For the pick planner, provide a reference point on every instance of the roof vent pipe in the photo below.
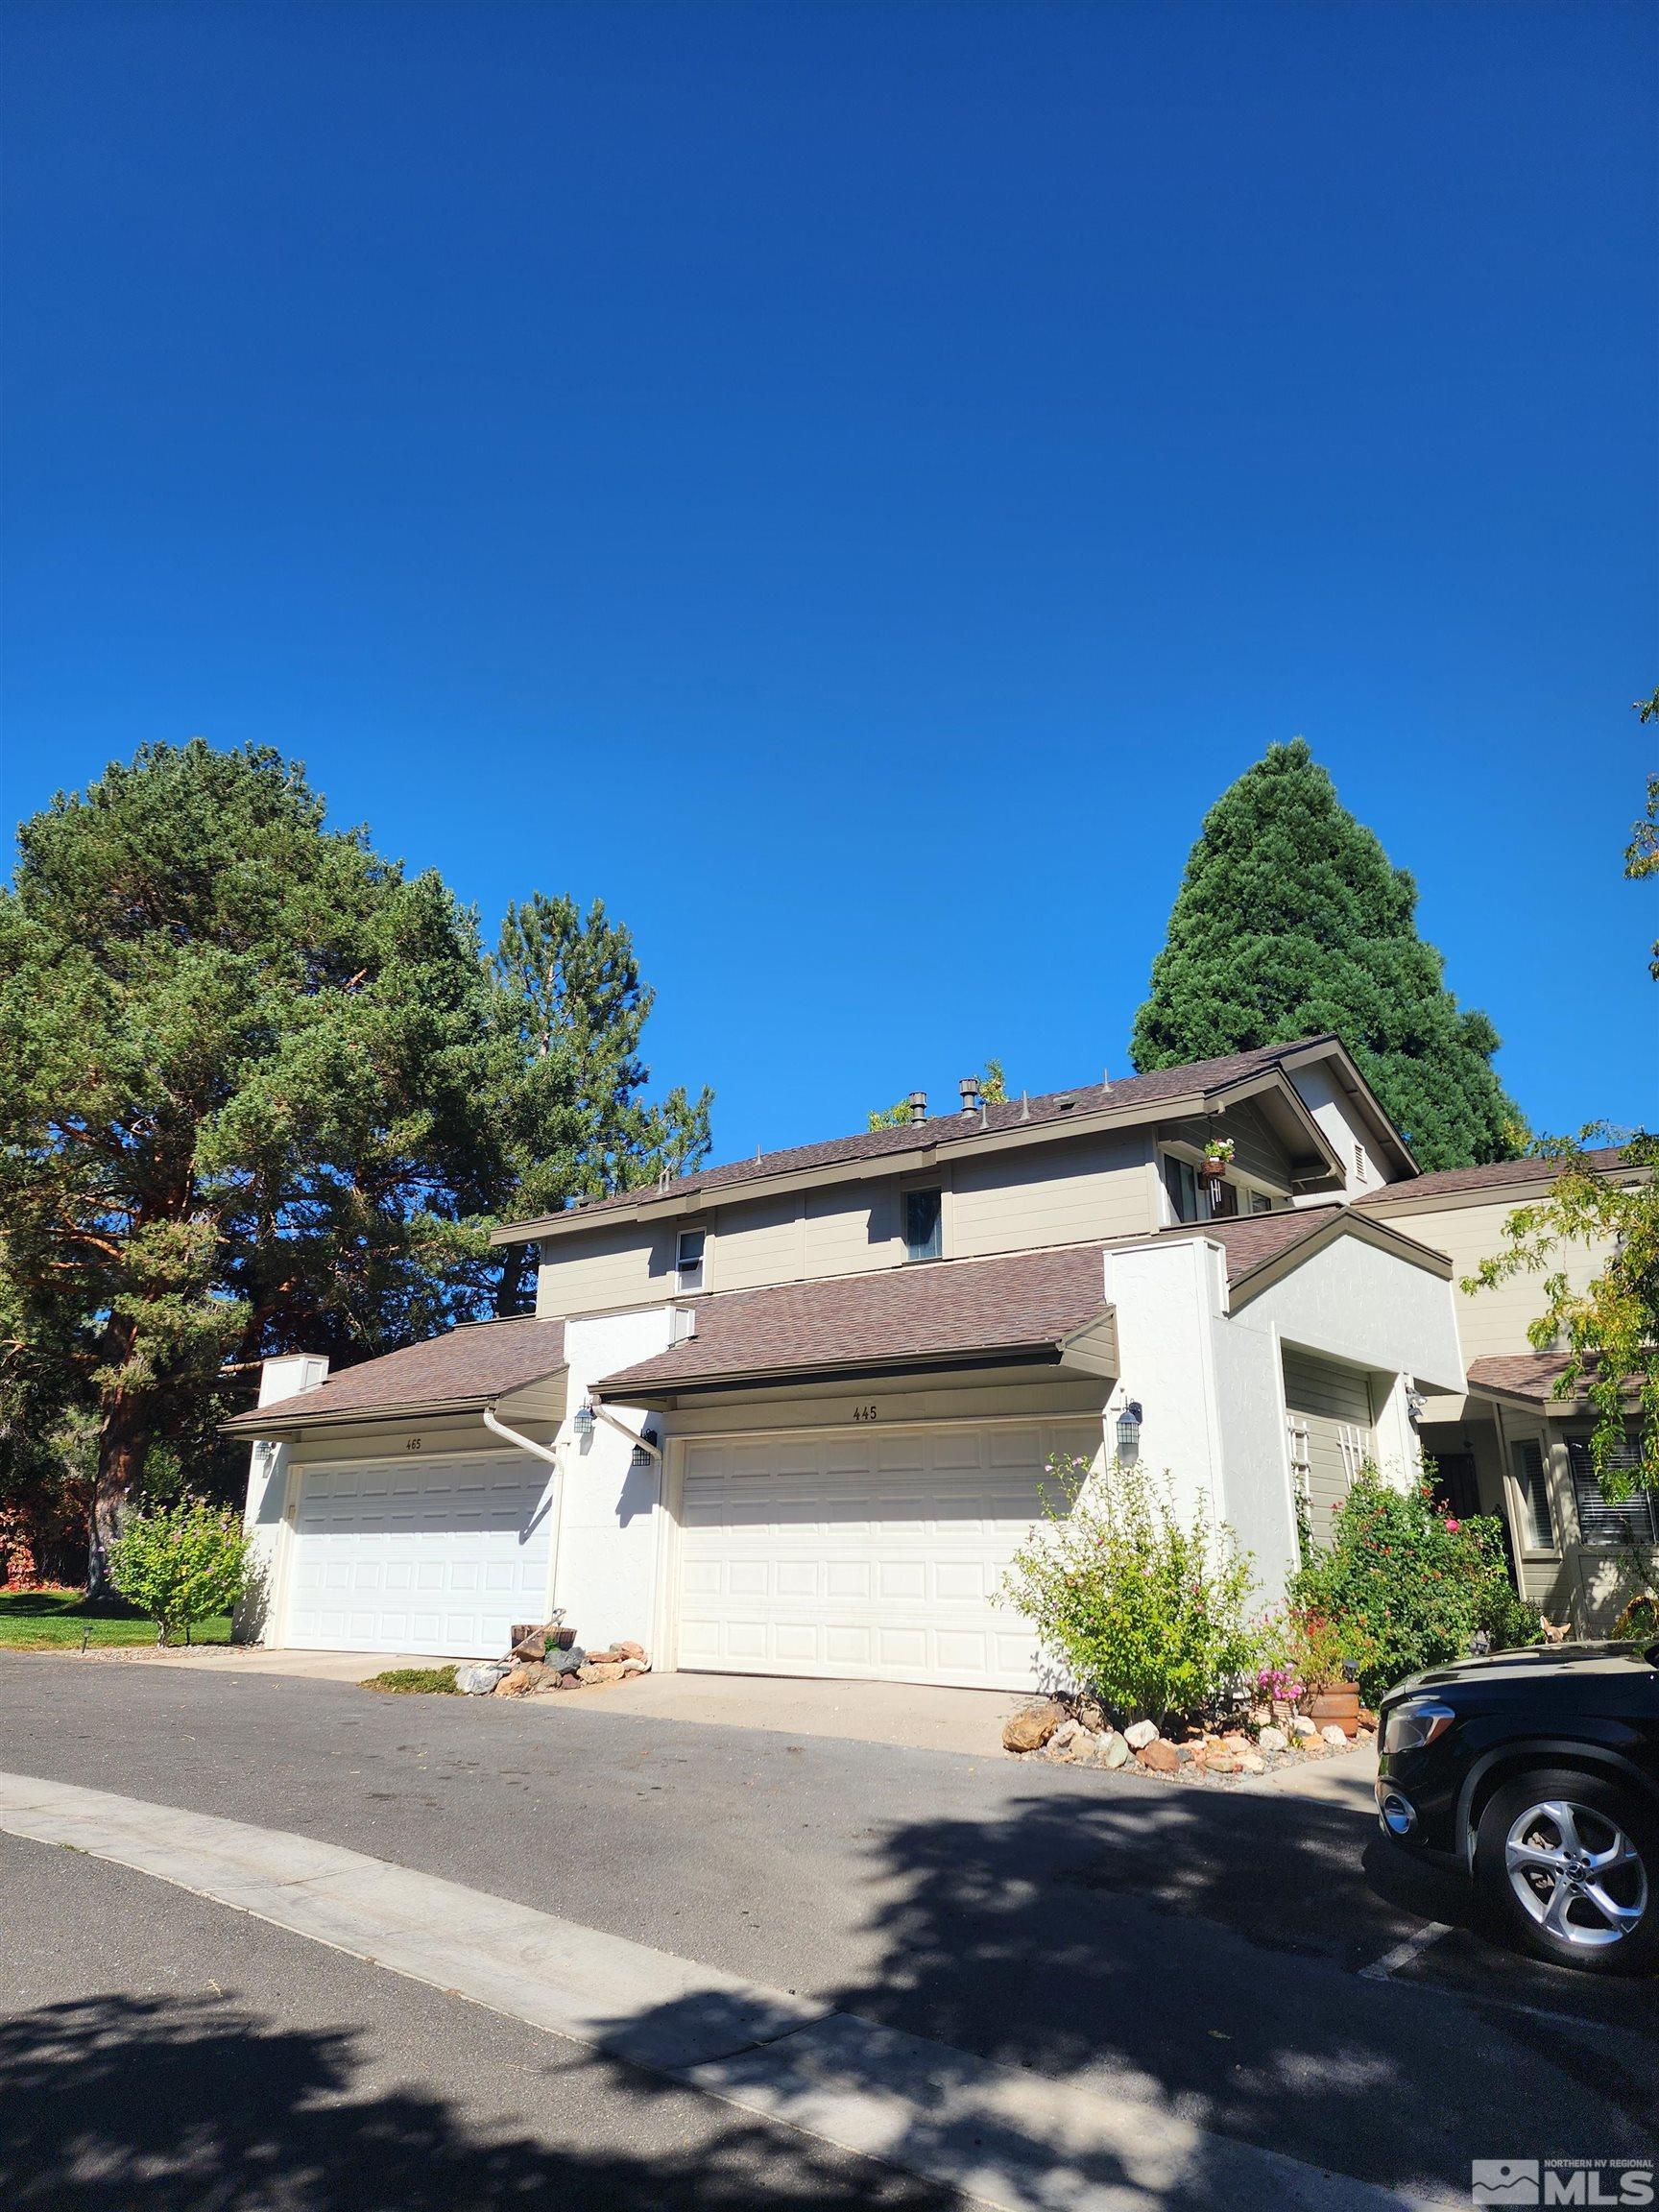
(969, 1090)
(918, 1105)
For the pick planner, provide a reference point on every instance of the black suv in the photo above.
(1538, 1773)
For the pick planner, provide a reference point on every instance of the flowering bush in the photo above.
(1131, 1599)
(1415, 1583)
(182, 1564)
(1303, 1649)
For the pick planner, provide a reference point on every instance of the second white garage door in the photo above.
(864, 1553)
(439, 1555)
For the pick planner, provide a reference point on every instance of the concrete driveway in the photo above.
(1259, 1961)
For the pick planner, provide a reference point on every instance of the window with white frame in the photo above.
(688, 1254)
(1604, 1519)
(1533, 1484)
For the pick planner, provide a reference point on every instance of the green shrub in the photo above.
(182, 1564)
(413, 1681)
(1414, 1581)
(1145, 1608)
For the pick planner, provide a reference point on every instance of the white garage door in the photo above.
(425, 1555)
(865, 1552)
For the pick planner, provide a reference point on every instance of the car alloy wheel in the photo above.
(1577, 1873)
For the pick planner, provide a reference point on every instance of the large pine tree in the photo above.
(1290, 920)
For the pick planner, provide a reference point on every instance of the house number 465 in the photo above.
(863, 1412)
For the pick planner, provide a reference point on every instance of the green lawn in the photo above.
(58, 1620)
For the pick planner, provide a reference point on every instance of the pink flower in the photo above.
(1452, 1525)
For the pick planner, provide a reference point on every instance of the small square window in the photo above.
(1259, 1202)
(924, 1238)
(688, 1258)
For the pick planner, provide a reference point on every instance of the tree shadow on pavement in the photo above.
(120, 2103)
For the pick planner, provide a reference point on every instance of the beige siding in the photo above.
(1332, 1405)
(1491, 1322)
(848, 1232)
(596, 1270)
(758, 1243)
(1069, 1192)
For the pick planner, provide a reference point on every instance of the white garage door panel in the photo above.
(420, 1555)
(858, 1553)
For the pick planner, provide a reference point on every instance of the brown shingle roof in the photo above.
(1518, 1375)
(1254, 1239)
(944, 1310)
(1494, 1176)
(467, 1366)
(1131, 1090)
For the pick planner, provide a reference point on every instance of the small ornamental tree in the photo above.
(1415, 1584)
(182, 1564)
(1144, 1606)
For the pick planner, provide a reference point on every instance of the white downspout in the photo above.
(551, 1454)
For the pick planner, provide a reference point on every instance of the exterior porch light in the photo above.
(1129, 1433)
(582, 1421)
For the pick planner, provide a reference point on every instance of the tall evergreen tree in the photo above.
(1290, 919)
(569, 1007)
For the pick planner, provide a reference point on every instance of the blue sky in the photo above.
(850, 486)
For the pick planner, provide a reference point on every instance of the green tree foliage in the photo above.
(1610, 1329)
(1290, 921)
(1131, 1598)
(567, 1011)
(1641, 857)
(263, 1093)
(992, 1090)
(242, 1104)
(1413, 1582)
(180, 1564)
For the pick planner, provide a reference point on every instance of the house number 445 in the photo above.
(863, 1412)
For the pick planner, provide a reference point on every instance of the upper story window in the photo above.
(1181, 1181)
(688, 1258)
(1261, 1202)
(924, 1224)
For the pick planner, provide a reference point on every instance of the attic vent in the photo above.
(1063, 1105)
(684, 1325)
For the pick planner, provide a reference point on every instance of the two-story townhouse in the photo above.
(1508, 1445)
(792, 1414)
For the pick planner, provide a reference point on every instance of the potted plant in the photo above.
(1218, 1158)
(1331, 1656)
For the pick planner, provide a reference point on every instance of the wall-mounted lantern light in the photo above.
(646, 1449)
(583, 1421)
(1129, 1433)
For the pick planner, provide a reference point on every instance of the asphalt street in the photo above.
(1086, 1925)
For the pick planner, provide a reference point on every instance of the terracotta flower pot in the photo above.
(1339, 1705)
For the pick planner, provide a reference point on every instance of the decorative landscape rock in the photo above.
(1112, 1750)
(1336, 1738)
(1031, 1727)
(600, 1671)
(1155, 1754)
(519, 1683)
(1252, 1763)
(1063, 1739)
(1272, 1739)
(567, 1662)
(1139, 1734)
(481, 1678)
(1301, 1725)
